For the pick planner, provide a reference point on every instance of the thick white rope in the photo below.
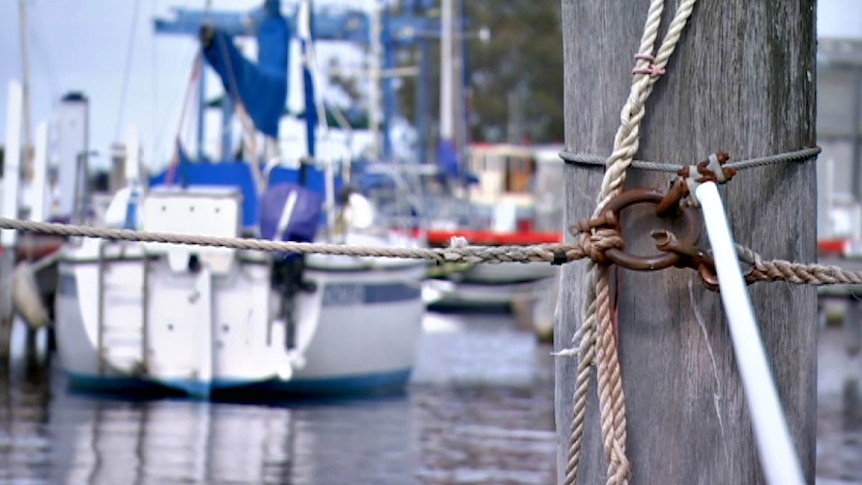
(597, 324)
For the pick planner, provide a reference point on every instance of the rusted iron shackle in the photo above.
(659, 261)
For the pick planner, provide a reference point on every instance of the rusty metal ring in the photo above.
(658, 261)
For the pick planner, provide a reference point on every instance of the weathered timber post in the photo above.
(742, 80)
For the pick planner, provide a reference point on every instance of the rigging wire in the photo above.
(127, 71)
(154, 76)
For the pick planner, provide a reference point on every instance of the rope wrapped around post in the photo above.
(595, 340)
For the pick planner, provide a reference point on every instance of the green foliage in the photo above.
(517, 77)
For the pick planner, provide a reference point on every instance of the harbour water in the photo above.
(479, 410)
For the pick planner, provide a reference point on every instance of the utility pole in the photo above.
(741, 80)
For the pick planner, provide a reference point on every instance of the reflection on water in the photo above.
(839, 412)
(480, 410)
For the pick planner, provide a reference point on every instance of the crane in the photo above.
(330, 23)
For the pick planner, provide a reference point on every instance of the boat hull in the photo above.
(529, 291)
(357, 331)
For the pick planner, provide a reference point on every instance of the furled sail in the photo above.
(262, 86)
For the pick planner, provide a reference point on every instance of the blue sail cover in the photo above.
(447, 158)
(261, 87)
(304, 220)
(230, 173)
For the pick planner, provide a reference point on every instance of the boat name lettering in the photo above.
(344, 294)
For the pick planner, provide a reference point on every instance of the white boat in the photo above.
(517, 199)
(205, 320)
(202, 320)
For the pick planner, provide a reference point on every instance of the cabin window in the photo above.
(519, 175)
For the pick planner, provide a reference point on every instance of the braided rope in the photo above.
(597, 315)
(796, 273)
(586, 246)
(590, 246)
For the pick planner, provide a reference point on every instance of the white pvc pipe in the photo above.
(774, 443)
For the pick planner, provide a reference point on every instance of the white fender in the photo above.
(26, 298)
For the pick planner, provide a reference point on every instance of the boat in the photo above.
(216, 321)
(32, 257)
(515, 199)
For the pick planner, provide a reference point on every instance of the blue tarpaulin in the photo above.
(261, 86)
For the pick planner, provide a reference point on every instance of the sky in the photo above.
(83, 45)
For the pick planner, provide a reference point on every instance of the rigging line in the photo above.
(127, 71)
(154, 73)
(41, 51)
(176, 98)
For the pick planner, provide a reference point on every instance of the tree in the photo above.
(516, 77)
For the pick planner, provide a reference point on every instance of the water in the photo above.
(839, 411)
(479, 410)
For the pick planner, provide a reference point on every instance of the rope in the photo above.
(191, 94)
(796, 273)
(802, 155)
(587, 246)
(597, 337)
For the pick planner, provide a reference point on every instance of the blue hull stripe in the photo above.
(352, 385)
(336, 294)
(343, 294)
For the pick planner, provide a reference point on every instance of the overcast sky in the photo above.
(84, 44)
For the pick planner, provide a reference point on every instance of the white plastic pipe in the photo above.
(774, 443)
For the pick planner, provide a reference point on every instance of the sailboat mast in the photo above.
(446, 100)
(375, 101)
(25, 78)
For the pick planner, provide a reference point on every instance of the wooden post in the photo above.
(742, 80)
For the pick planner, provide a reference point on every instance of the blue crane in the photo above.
(412, 27)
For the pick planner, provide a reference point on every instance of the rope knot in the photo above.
(595, 243)
(606, 220)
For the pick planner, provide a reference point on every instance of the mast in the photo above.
(446, 81)
(25, 81)
(375, 101)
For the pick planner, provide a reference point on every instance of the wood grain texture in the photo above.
(742, 80)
